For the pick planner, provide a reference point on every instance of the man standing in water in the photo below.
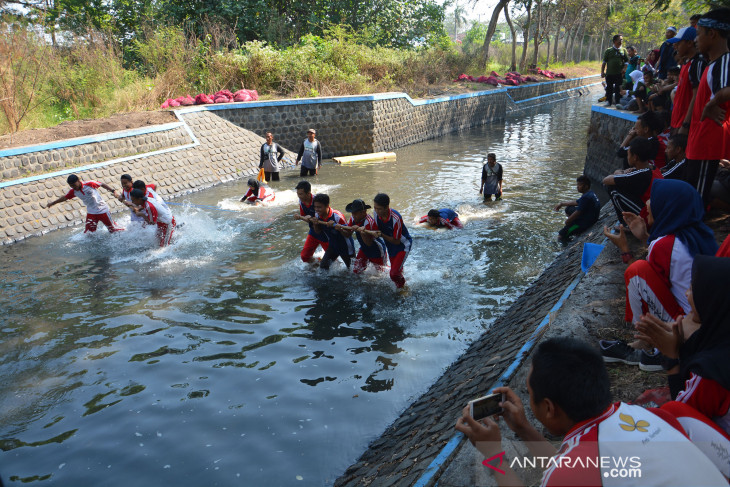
(271, 154)
(397, 239)
(491, 179)
(306, 213)
(310, 153)
(96, 208)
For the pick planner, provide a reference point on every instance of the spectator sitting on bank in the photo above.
(661, 99)
(675, 155)
(583, 212)
(720, 193)
(666, 54)
(659, 284)
(570, 394)
(649, 125)
(700, 340)
(645, 88)
(628, 101)
(629, 189)
(651, 59)
(443, 218)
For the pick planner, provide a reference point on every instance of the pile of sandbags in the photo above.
(222, 96)
(511, 78)
(550, 74)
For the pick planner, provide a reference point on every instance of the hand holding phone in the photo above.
(486, 406)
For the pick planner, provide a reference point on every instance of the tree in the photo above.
(23, 60)
(490, 32)
(513, 64)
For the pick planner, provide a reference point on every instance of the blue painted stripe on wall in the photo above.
(615, 113)
(62, 144)
(556, 93)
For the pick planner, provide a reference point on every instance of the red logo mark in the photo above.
(496, 469)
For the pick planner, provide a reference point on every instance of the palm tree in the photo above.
(459, 18)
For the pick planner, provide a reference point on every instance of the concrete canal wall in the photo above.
(607, 129)
(213, 144)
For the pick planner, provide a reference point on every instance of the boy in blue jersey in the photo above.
(325, 221)
(395, 234)
(583, 212)
(442, 218)
(372, 246)
(306, 213)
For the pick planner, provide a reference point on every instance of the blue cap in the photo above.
(684, 34)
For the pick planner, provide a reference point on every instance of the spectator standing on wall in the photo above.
(491, 179)
(271, 154)
(310, 153)
(709, 132)
(615, 60)
(634, 61)
(666, 54)
(689, 78)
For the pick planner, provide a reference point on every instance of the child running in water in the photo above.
(96, 208)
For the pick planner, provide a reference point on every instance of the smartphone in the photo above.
(486, 406)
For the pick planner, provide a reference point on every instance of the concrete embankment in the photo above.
(421, 447)
(213, 144)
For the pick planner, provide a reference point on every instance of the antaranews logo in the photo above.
(611, 466)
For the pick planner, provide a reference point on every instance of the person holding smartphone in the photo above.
(570, 394)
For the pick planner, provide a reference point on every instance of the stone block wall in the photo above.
(398, 123)
(80, 152)
(212, 146)
(343, 128)
(607, 129)
(518, 93)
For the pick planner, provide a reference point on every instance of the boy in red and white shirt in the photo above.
(96, 208)
(155, 213)
(709, 131)
(570, 394)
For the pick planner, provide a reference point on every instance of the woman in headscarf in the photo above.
(658, 285)
(257, 193)
(677, 234)
(701, 341)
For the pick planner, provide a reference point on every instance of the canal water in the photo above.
(225, 360)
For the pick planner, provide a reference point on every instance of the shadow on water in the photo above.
(225, 360)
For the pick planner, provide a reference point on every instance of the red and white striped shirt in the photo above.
(669, 257)
(156, 212)
(708, 397)
(95, 204)
(630, 437)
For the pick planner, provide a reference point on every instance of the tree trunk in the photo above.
(536, 38)
(578, 30)
(582, 41)
(590, 48)
(513, 66)
(525, 36)
(603, 40)
(567, 43)
(490, 32)
(557, 33)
